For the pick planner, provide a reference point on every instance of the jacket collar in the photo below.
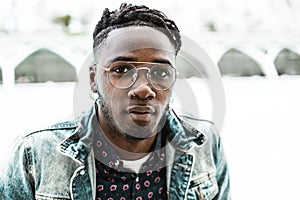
(78, 144)
(180, 135)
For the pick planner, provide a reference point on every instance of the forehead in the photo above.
(122, 41)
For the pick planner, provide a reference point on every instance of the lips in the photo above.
(140, 113)
(136, 109)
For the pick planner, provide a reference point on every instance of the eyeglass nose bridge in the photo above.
(136, 75)
(143, 68)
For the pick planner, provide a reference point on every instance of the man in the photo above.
(130, 144)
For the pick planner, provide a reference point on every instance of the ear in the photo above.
(93, 78)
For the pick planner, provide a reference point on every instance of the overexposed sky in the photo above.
(191, 15)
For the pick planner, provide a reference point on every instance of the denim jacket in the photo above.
(58, 163)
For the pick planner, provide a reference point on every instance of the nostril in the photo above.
(131, 94)
(142, 92)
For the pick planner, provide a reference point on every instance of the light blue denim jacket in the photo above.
(58, 163)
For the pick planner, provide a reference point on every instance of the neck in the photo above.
(127, 149)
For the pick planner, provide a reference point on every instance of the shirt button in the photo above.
(137, 179)
(117, 163)
(82, 172)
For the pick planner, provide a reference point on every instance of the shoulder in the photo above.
(63, 127)
(54, 133)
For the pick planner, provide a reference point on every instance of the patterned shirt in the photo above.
(114, 182)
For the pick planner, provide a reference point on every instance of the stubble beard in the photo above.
(132, 133)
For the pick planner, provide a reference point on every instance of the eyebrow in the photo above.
(162, 61)
(124, 58)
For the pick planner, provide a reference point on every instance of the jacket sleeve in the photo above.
(222, 173)
(16, 181)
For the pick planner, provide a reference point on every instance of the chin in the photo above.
(134, 139)
(137, 132)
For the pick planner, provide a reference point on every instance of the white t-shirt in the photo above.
(135, 165)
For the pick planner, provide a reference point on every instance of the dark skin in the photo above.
(130, 131)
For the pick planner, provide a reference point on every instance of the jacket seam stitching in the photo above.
(48, 129)
(29, 164)
(52, 196)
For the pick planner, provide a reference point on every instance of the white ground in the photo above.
(260, 131)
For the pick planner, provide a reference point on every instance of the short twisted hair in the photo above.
(130, 15)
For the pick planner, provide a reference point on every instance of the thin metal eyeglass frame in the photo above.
(107, 69)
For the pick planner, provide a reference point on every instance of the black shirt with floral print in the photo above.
(114, 182)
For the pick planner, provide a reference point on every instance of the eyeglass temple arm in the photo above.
(104, 68)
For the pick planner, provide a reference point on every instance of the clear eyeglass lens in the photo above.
(162, 76)
(123, 75)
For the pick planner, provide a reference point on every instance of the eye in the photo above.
(160, 72)
(121, 69)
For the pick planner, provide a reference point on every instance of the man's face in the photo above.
(135, 112)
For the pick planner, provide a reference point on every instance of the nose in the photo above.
(142, 88)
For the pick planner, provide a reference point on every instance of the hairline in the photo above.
(104, 40)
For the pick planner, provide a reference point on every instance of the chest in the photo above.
(117, 184)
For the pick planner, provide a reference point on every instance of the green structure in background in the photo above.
(236, 63)
(44, 65)
(1, 79)
(287, 62)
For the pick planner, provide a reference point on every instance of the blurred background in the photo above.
(254, 44)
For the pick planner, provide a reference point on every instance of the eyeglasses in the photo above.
(123, 74)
